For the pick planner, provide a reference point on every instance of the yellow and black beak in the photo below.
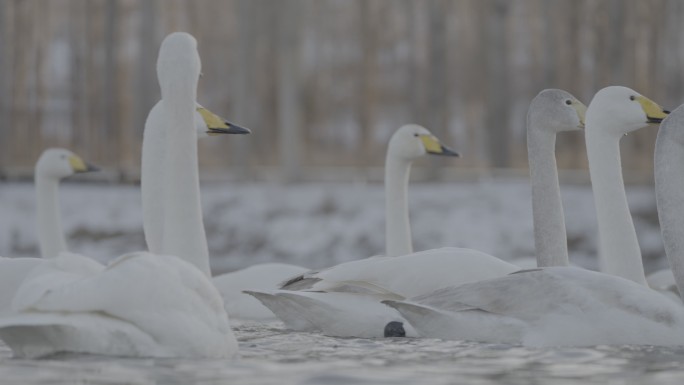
(434, 147)
(217, 125)
(80, 166)
(581, 110)
(654, 112)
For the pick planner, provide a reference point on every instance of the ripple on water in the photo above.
(271, 355)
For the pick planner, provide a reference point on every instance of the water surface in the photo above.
(271, 355)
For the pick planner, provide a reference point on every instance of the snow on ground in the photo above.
(321, 224)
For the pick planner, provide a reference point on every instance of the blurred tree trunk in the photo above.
(497, 84)
(23, 35)
(438, 95)
(111, 106)
(6, 72)
(146, 86)
(289, 115)
(242, 95)
(366, 100)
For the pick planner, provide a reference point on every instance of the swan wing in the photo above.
(409, 275)
(266, 276)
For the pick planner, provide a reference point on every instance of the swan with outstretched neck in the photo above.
(570, 306)
(52, 166)
(141, 304)
(607, 122)
(550, 113)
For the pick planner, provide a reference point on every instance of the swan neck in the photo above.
(152, 180)
(619, 252)
(550, 237)
(669, 180)
(50, 235)
(397, 229)
(184, 235)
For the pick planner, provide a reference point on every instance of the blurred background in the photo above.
(324, 83)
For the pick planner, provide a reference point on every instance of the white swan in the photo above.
(345, 312)
(359, 313)
(547, 116)
(566, 305)
(53, 165)
(141, 304)
(607, 123)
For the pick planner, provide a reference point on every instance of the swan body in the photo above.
(344, 300)
(141, 304)
(565, 305)
(554, 306)
(71, 303)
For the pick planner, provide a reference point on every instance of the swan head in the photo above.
(412, 141)
(59, 163)
(209, 124)
(556, 111)
(618, 111)
(178, 66)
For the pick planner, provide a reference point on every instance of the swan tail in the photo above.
(287, 310)
(472, 324)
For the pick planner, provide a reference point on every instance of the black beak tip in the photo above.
(446, 151)
(235, 129)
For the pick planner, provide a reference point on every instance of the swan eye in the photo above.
(416, 135)
(568, 102)
(632, 97)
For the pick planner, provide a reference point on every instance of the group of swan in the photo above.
(345, 300)
(552, 305)
(163, 303)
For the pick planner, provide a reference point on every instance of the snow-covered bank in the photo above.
(317, 225)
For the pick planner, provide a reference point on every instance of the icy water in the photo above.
(270, 355)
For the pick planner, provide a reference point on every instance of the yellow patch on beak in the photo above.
(77, 164)
(581, 110)
(654, 113)
(431, 144)
(212, 120)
